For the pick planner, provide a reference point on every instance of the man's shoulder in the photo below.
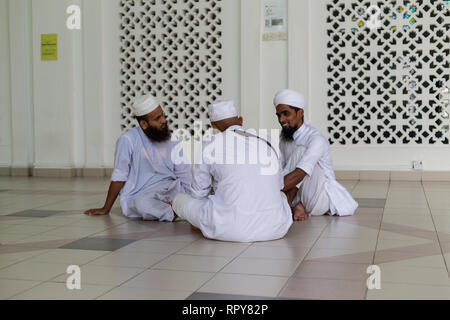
(316, 135)
(130, 136)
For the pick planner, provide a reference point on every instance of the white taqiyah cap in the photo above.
(222, 110)
(291, 98)
(144, 105)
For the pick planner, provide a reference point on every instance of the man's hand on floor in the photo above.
(97, 212)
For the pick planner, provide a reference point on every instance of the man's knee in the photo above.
(179, 203)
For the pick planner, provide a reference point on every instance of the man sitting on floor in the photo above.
(144, 173)
(310, 183)
(247, 204)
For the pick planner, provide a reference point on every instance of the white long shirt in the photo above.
(247, 205)
(147, 167)
(317, 153)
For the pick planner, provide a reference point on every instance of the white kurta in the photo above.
(319, 192)
(150, 175)
(247, 205)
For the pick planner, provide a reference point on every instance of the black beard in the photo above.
(287, 134)
(157, 135)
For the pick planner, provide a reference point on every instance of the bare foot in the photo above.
(193, 228)
(97, 212)
(299, 213)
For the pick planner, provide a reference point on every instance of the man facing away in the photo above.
(247, 204)
(309, 183)
(144, 173)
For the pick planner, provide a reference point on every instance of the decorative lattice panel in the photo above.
(389, 84)
(171, 49)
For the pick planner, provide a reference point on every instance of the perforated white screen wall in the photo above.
(388, 85)
(171, 49)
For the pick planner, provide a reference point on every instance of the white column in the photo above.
(22, 127)
(298, 46)
(251, 62)
(5, 89)
(111, 78)
(58, 90)
(94, 121)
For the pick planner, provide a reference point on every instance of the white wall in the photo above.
(66, 113)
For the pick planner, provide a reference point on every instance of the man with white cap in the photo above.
(247, 204)
(144, 173)
(310, 183)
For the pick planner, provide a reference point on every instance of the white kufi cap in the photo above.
(144, 105)
(222, 110)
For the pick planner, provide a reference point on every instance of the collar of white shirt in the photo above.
(300, 131)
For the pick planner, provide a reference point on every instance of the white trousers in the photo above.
(311, 191)
(151, 204)
(184, 205)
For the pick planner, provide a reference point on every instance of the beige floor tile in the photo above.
(422, 222)
(414, 275)
(52, 221)
(404, 245)
(361, 244)
(421, 236)
(79, 232)
(332, 270)
(28, 270)
(129, 259)
(123, 293)
(169, 280)
(284, 253)
(324, 289)
(103, 275)
(69, 257)
(442, 223)
(340, 255)
(205, 247)
(436, 261)
(9, 288)
(265, 267)
(10, 238)
(350, 231)
(441, 212)
(29, 230)
(291, 242)
(59, 291)
(187, 238)
(18, 254)
(407, 211)
(251, 285)
(403, 291)
(146, 246)
(44, 241)
(406, 205)
(193, 263)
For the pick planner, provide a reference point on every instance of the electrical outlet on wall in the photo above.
(417, 165)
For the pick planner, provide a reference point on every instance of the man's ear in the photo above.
(143, 124)
(300, 114)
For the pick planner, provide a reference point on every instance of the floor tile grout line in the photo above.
(378, 237)
(435, 229)
(302, 260)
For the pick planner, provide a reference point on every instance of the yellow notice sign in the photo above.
(49, 47)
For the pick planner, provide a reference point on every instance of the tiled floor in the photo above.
(403, 227)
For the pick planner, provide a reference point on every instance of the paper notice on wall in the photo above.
(275, 24)
(49, 47)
